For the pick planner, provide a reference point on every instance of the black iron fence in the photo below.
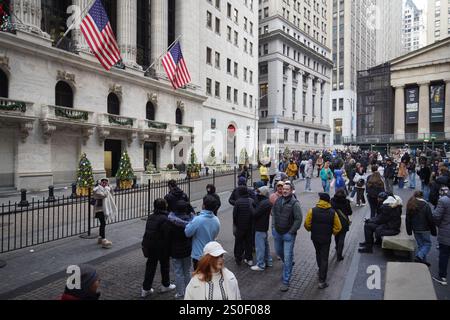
(30, 223)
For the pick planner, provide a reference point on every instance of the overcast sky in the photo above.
(421, 3)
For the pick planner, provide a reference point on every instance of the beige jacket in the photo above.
(199, 290)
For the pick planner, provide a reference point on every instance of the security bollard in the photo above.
(51, 195)
(74, 191)
(23, 198)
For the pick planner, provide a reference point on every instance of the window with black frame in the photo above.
(3, 84)
(54, 21)
(143, 34)
(63, 95)
(113, 104)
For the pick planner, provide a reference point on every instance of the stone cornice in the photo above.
(10, 41)
(298, 124)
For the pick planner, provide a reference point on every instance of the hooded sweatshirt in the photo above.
(203, 229)
(322, 221)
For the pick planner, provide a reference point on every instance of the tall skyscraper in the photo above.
(294, 74)
(438, 20)
(414, 32)
(388, 21)
(354, 49)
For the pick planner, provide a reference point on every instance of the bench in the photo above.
(408, 281)
(400, 242)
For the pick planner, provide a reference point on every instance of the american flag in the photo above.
(175, 66)
(99, 35)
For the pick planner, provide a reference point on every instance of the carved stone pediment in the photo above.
(116, 89)
(65, 76)
(180, 104)
(152, 97)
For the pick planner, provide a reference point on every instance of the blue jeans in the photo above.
(308, 184)
(412, 180)
(423, 244)
(326, 186)
(263, 257)
(444, 255)
(182, 270)
(284, 247)
(426, 192)
(401, 182)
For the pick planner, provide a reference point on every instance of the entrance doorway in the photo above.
(113, 152)
(149, 154)
(231, 144)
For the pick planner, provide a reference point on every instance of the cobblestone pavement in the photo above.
(122, 268)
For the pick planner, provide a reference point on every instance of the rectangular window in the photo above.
(245, 74)
(209, 19)
(228, 65)
(266, 12)
(229, 10)
(217, 90)
(217, 60)
(286, 135)
(251, 77)
(213, 124)
(208, 56)
(245, 100)
(217, 25)
(341, 104)
(297, 133)
(245, 45)
(236, 16)
(208, 86)
(236, 92)
(236, 66)
(251, 101)
(307, 137)
(229, 33)
(218, 4)
(236, 37)
(251, 49)
(316, 138)
(228, 93)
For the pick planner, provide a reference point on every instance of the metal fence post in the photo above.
(189, 186)
(23, 198)
(51, 194)
(214, 177)
(89, 235)
(148, 198)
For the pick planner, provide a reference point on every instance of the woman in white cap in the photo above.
(105, 209)
(211, 280)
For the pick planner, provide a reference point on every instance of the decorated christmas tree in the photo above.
(125, 173)
(243, 158)
(193, 167)
(5, 18)
(212, 157)
(85, 177)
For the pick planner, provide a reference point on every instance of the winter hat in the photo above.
(324, 196)
(259, 184)
(264, 191)
(242, 181)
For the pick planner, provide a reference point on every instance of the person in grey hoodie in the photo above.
(309, 171)
(441, 216)
(203, 229)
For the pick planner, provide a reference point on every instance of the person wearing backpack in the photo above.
(360, 181)
(341, 205)
(156, 249)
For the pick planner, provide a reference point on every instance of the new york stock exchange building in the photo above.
(58, 102)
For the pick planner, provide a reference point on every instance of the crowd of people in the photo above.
(176, 234)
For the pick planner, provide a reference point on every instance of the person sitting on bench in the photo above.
(386, 223)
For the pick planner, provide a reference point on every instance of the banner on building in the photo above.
(437, 103)
(412, 105)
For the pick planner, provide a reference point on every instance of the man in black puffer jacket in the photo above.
(261, 222)
(242, 227)
(180, 247)
(175, 194)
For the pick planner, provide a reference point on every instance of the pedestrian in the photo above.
(309, 171)
(105, 210)
(202, 229)
(211, 280)
(419, 219)
(264, 173)
(277, 194)
(175, 194)
(412, 173)
(326, 176)
(441, 217)
(342, 207)
(386, 223)
(424, 174)
(340, 182)
(292, 170)
(235, 194)
(261, 219)
(401, 175)
(286, 220)
(319, 164)
(180, 246)
(89, 285)
(360, 185)
(156, 249)
(389, 175)
(242, 227)
(211, 190)
(375, 186)
(272, 172)
(323, 222)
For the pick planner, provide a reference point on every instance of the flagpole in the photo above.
(159, 58)
(73, 24)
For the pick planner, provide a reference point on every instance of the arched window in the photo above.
(63, 95)
(3, 84)
(178, 116)
(150, 111)
(113, 104)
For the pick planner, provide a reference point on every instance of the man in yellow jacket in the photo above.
(323, 222)
(291, 170)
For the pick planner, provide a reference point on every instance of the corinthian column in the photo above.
(80, 41)
(159, 29)
(27, 15)
(127, 31)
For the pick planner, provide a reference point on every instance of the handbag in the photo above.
(343, 216)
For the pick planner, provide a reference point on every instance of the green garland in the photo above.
(121, 121)
(72, 114)
(17, 106)
(157, 125)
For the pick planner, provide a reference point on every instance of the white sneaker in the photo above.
(249, 262)
(178, 296)
(171, 287)
(106, 244)
(256, 268)
(146, 293)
